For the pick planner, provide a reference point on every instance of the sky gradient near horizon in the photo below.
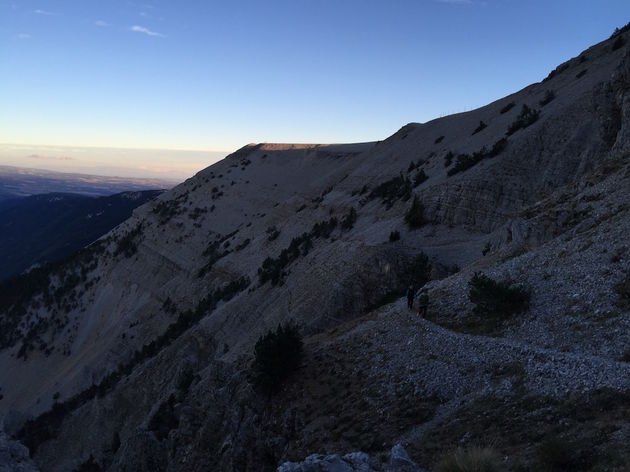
(213, 76)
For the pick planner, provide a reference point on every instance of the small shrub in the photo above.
(623, 290)
(496, 300)
(581, 74)
(555, 454)
(486, 249)
(272, 233)
(558, 70)
(115, 442)
(128, 244)
(420, 270)
(549, 96)
(448, 159)
(507, 107)
(277, 355)
(498, 147)
(527, 117)
(272, 269)
(243, 245)
(164, 419)
(420, 177)
(621, 30)
(439, 140)
(619, 42)
(398, 188)
(479, 128)
(185, 380)
(89, 465)
(415, 215)
(466, 161)
(323, 229)
(347, 222)
(412, 166)
(473, 459)
(394, 236)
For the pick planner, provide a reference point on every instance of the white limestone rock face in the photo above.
(399, 461)
(353, 462)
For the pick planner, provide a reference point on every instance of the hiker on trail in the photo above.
(411, 294)
(423, 303)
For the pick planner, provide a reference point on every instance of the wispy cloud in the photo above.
(44, 12)
(101, 23)
(50, 158)
(147, 31)
(23, 36)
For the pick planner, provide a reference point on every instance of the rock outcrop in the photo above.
(14, 457)
(399, 461)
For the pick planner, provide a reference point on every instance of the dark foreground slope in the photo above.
(49, 227)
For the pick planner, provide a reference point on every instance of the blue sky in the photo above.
(212, 76)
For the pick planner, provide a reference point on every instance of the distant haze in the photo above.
(171, 165)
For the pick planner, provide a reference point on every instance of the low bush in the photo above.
(549, 96)
(619, 42)
(89, 465)
(497, 300)
(555, 454)
(272, 268)
(558, 70)
(213, 253)
(526, 117)
(128, 244)
(242, 245)
(419, 178)
(473, 459)
(623, 290)
(439, 139)
(415, 215)
(581, 74)
(347, 222)
(398, 188)
(479, 128)
(507, 107)
(186, 379)
(164, 419)
(420, 270)
(394, 236)
(277, 355)
(448, 158)
(621, 30)
(166, 210)
(272, 233)
(466, 161)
